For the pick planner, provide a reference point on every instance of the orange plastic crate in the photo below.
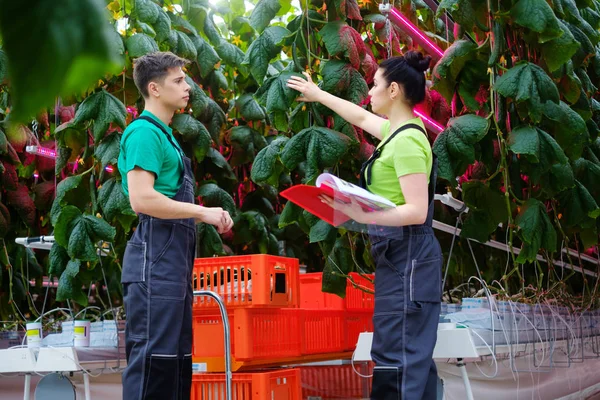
(311, 295)
(323, 331)
(270, 336)
(283, 384)
(355, 323)
(267, 333)
(244, 281)
(336, 381)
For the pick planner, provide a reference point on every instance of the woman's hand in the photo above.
(352, 209)
(309, 92)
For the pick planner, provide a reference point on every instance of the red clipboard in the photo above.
(307, 197)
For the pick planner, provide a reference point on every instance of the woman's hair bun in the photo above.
(417, 61)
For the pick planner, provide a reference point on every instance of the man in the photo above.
(158, 260)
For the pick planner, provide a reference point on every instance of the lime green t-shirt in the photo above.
(144, 145)
(409, 152)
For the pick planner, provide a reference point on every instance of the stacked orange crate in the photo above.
(261, 294)
(357, 306)
(336, 381)
(279, 384)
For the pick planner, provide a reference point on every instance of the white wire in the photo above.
(495, 363)
(88, 307)
(51, 311)
(354, 369)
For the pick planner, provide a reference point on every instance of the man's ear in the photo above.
(153, 89)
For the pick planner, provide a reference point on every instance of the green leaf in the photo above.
(63, 154)
(69, 286)
(587, 47)
(266, 166)
(58, 260)
(568, 127)
(199, 101)
(263, 49)
(207, 57)
(558, 51)
(537, 16)
(338, 264)
(209, 240)
(193, 132)
(62, 189)
(151, 13)
(232, 55)
(570, 84)
(113, 201)
(275, 95)
(108, 150)
(340, 77)
(103, 109)
(588, 173)
(487, 209)
(454, 147)
(246, 142)
(578, 205)
(560, 178)
(182, 45)
(79, 233)
(447, 70)
(249, 108)
(76, 35)
(217, 159)
(145, 28)
(211, 31)
(291, 214)
(263, 13)
(213, 196)
(140, 44)
(342, 40)
(348, 9)
(177, 21)
(464, 12)
(527, 83)
(322, 231)
(536, 231)
(212, 116)
(320, 147)
(3, 66)
(537, 146)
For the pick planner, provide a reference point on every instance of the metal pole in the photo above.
(223, 310)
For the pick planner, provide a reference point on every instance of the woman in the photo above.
(407, 254)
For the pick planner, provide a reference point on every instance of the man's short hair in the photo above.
(154, 67)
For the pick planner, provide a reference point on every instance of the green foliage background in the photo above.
(519, 78)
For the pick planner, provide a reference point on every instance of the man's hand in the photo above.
(216, 216)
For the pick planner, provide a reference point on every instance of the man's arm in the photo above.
(145, 199)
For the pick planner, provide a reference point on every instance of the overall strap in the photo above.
(366, 170)
(159, 126)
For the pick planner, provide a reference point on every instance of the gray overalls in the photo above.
(157, 292)
(407, 306)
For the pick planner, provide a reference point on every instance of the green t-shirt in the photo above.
(407, 153)
(144, 145)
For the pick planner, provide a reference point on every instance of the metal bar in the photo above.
(223, 310)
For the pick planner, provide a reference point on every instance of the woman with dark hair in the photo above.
(407, 254)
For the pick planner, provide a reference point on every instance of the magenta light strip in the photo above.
(432, 125)
(416, 34)
(41, 151)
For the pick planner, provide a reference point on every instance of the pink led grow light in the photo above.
(401, 21)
